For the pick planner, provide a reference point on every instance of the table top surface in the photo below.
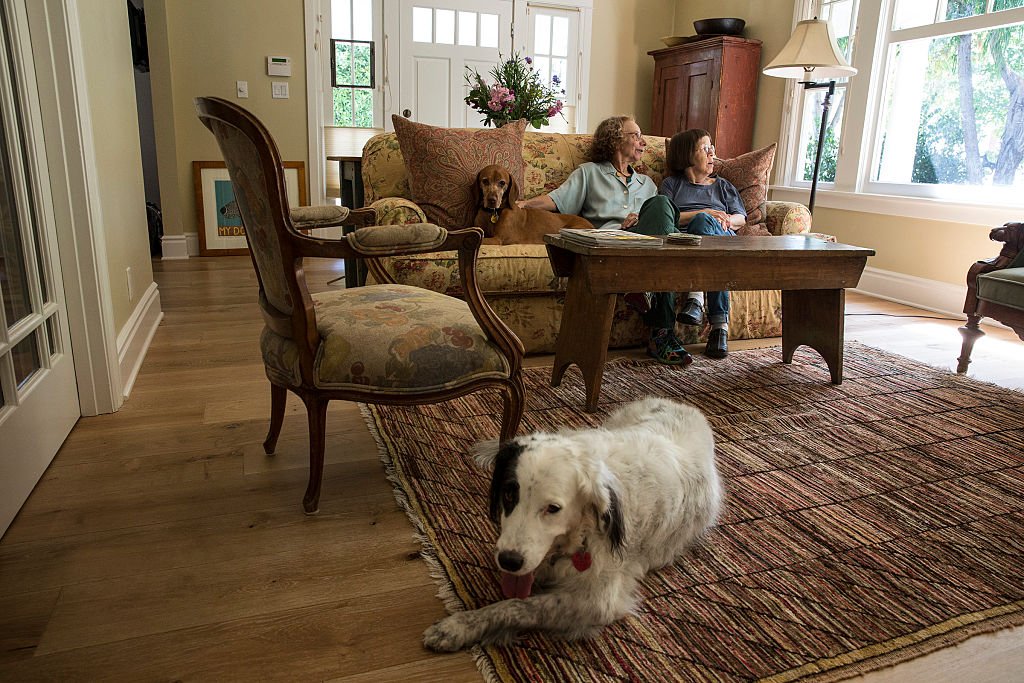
(715, 245)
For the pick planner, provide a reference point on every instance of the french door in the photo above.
(437, 40)
(38, 394)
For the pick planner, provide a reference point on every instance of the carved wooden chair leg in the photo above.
(316, 412)
(970, 332)
(514, 402)
(278, 398)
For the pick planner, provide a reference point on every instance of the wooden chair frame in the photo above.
(300, 325)
(1012, 235)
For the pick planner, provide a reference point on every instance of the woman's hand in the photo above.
(630, 220)
(721, 216)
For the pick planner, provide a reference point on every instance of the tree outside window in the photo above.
(945, 118)
(353, 65)
(954, 108)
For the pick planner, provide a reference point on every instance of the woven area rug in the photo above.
(865, 524)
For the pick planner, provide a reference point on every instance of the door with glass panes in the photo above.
(38, 394)
(437, 41)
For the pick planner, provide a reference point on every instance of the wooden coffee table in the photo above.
(812, 274)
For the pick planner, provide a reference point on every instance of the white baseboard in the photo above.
(176, 247)
(173, 247)
(134, 339)
(931, 295)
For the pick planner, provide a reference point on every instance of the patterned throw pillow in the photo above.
(749, 173)
(442, 164)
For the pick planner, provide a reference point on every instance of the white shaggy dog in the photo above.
(585, 515)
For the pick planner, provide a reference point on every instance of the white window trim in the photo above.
(852, 190)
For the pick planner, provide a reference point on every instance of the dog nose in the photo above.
(510, 560)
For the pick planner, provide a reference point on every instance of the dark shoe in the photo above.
(639, 301)
(718, 346)
(692, 314)
(665, 348)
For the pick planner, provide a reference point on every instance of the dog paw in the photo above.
(447, 635)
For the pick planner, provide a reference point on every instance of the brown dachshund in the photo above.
(503, 222)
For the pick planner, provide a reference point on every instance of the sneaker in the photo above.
(665, 348)
(717, 346)
(692, 313)
(639, 301)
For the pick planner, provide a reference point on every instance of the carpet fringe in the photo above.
(428, 550)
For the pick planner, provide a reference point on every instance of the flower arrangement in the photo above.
(517, 93)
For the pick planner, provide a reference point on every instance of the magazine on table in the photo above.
(682, 238)
(609, 238)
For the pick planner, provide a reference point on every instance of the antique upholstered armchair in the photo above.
(394, 344)
(995, 288)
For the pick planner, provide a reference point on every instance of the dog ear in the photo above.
(484, 453)
(512, 195)
(474, 191)
(504, 469)
(612, 523)
(603, 489)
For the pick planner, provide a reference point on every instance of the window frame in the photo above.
(861, 126)
(334, 66)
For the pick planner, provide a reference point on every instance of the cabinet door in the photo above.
(684, 97)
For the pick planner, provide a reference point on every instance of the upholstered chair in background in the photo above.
(390, 344)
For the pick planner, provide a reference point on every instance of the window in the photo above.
(554, 40)
(936, 109)
(353, 63)
(451, 27)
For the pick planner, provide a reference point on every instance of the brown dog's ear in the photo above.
(474, 191)
(512, 195)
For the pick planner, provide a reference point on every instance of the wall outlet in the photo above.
(128, 277)
(242, 89)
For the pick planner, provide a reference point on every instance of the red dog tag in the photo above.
(581, 560)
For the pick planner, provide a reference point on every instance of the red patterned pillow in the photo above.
(749, 173)
(442, 164)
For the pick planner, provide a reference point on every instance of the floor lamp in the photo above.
(812, 53)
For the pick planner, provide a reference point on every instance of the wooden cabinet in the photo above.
(709, 83)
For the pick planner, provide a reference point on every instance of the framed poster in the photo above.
(221, 232)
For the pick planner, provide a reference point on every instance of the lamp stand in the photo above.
(810, 85)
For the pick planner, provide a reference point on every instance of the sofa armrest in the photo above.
(787, 218)
(397, 211)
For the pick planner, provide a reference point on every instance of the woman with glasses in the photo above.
(708, 205)
(611, 194)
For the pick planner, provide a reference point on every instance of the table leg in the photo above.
(583, 337)
(814, 317)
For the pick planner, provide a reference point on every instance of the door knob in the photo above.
(406, 113)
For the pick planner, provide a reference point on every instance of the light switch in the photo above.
(279, 90)
(242, 88)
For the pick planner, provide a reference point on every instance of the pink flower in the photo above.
(500, 98)
(556, 108)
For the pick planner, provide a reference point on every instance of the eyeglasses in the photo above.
(709, 150)
(636, 135)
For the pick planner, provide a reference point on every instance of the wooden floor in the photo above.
(162, 543)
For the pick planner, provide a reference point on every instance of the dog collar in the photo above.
(581, 560)
(494, 214)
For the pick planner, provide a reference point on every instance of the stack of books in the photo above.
(682, 238)
(609, 238)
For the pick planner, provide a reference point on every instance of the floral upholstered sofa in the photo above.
(517, 279)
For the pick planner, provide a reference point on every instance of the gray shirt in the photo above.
(687, 196)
